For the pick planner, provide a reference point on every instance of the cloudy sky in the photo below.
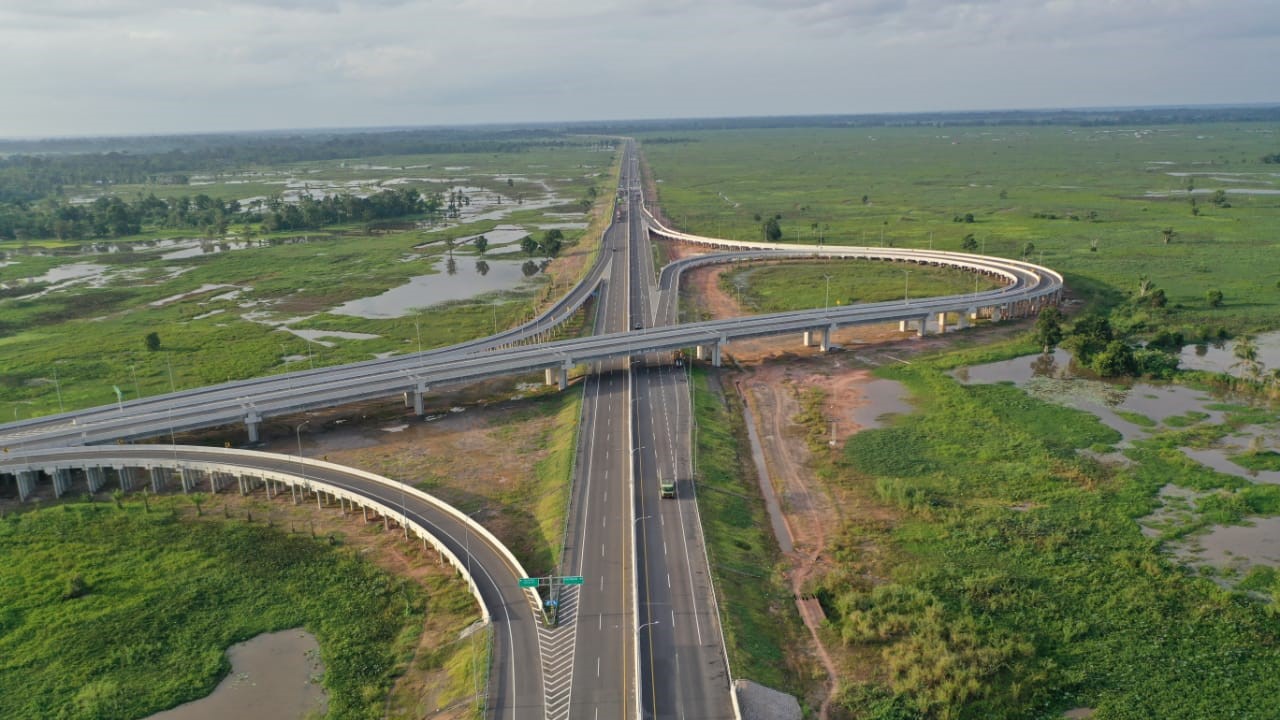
(76, 67)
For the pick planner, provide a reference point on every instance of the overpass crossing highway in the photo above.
(250, 401)
(643, 633)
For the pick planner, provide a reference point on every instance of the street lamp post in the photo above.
(298, 432)
(906, 278)
(418, 332)
(826, 298)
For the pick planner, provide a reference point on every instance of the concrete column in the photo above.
(715, 355)
(563, 381)
(96, 476)
(923, 327)
(27, 483)
(962, 319)
(252, 422)
(700, 352)
(417, 393)
(825, 345)
(551, 376)
(996, 314)
(319, 504)
(61, 482)
(902, 325)
(125, 475)
(942, 322)
(808, 338)
(365, 512)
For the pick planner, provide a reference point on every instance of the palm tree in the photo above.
(1246, 351)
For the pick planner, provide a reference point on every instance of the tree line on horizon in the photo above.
(114, 217)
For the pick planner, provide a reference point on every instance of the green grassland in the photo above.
(1019, 582)
(761, 627)
(92, 338)
(122, 612)
(803, 285)
(1058, 188)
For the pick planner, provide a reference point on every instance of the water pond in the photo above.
(273, 675)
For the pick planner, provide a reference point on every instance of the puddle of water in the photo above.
(425, 290)
(883, 398)
(274, 675)
(1217, 458)
(1237, 546)
(204, 248)
(1055, 379)
(190, 293)
(315, 335)
(1214, 358)
(70, 271)
(1176, 504)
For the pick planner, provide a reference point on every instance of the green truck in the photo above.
(668, 488)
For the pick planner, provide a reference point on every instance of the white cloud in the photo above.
(87, 66)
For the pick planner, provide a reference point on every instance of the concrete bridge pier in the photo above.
(825, 345)
(27, 483)
(252, 424)
(157, 479)
(186, 478)
(550, 377)
(61, 482)
(996, 314)
(715, 355)
(96, 476)
(125, 476)
(562, 381)
(922, 326)
(700, 352)
(418, 392)
(942, 322)
(808, 338)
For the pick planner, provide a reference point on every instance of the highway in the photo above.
(684, 672)
(599, 539)
(641, 636)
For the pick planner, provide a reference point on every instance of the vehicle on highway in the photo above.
(668, 489)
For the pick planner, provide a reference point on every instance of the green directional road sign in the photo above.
(528, 582)
(573, 580)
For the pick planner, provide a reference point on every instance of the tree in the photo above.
(197, 499)
(1048, 332)
(118, 496)
(772, 230)
(1168, 234)
(1246, 352)
(1115, 360)
(152, 341)
(1214, 298)
(552, 242)
(482, 244)
(1028, 249)
(970, 243)
(1090, 335)
(529, 245)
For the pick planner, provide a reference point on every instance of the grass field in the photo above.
(799, 286)
(114, 612)
(80, 341)
(1020, 585)
(761, 627)
(1061, 189)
